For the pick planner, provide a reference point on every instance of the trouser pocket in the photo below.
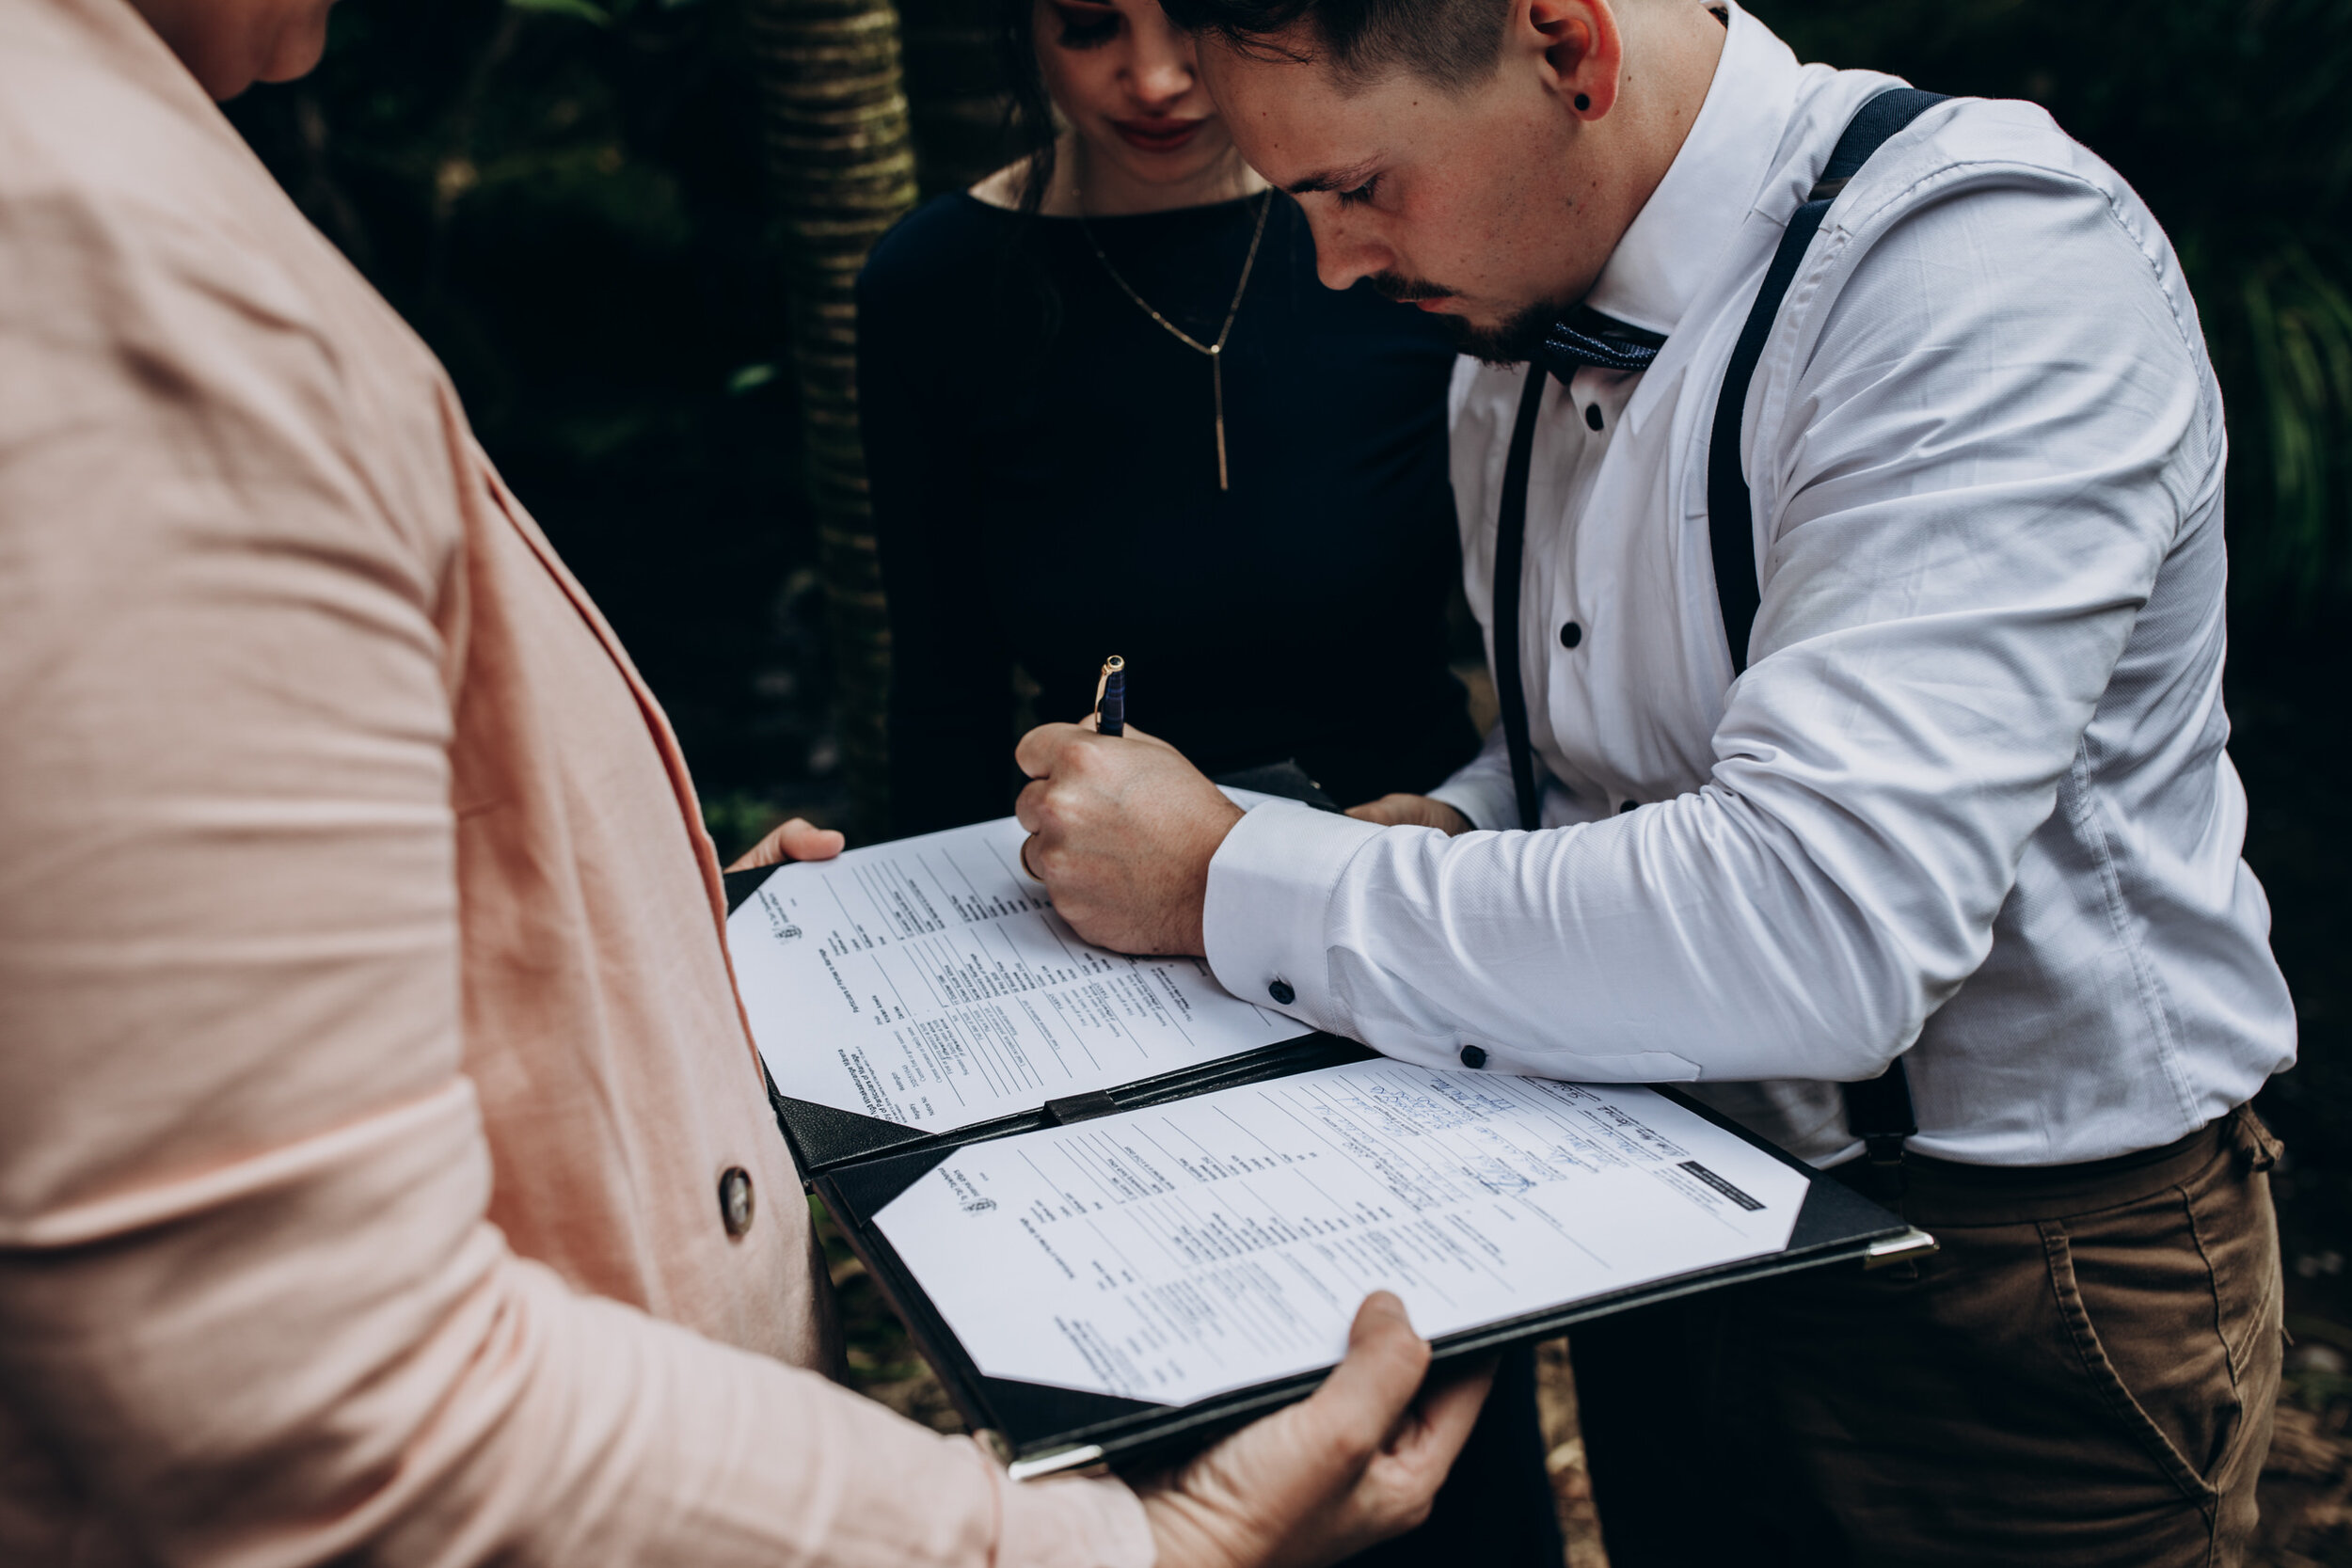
(2172, 1305)
(2180, 1415)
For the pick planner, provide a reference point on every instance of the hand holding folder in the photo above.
(1352, 1464)
(797, 840)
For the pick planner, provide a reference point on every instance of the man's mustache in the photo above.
(1404, 290)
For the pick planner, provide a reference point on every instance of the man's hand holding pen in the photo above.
(1122, 830)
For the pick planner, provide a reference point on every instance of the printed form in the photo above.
(1221, 1241)
(929, 982)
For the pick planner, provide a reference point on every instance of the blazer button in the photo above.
(1592, 414)
(1474, 1055)
(1570, 634)
(1624, 806)
(736, 1200)
(1281, 992)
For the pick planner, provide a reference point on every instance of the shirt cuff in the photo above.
(1073, 1524)
(1270, 885)
(1488, 799)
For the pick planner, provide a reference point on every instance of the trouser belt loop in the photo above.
(2257, 1147)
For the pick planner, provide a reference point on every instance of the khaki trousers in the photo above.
(2082, 1375)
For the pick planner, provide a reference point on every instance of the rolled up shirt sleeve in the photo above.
(1984, 434)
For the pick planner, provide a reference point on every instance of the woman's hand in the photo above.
(1412, 811)
(1356, 1462)
(797, 840)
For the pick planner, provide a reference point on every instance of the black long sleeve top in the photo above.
(1044, 493)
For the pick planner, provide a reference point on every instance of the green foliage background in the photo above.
(565, 197)
(566, 201)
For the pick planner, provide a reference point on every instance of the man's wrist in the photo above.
(1204, 856)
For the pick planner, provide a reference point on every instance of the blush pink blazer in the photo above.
(369, 1057)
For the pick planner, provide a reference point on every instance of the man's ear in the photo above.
(1582, 49)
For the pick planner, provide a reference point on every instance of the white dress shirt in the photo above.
(1970, 800)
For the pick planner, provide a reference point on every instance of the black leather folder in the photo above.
(857, 1165)
(1039, 1430)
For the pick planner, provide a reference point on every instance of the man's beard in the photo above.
(1513, 343)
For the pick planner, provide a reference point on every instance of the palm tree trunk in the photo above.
(835, 119)
(956, 85)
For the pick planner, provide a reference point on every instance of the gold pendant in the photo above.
(1217, 387)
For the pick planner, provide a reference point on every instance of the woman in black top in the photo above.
(1060, 471)
(1045, 454)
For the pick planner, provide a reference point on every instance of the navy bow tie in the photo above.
(1585, 336)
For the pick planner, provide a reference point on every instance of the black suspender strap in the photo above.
(1879, 1112)
(1729, 516)
(1510, 553)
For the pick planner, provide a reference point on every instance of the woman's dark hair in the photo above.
(1029, 108)
(1023, 278)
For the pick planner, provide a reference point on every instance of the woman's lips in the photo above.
(1156, 135)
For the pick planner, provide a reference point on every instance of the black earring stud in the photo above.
(1583, 102)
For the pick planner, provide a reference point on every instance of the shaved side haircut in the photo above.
(1452, 44)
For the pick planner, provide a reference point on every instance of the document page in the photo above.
(1221, 1241)
(929, 982)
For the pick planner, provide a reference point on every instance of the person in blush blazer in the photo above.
(384, 1171)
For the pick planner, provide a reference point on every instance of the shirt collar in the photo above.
(1676, 241)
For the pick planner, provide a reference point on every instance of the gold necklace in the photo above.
(1215, 351)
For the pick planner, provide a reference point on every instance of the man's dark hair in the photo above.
(1452, 44)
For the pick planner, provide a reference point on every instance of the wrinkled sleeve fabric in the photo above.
(1978, 434)
(251, 1310)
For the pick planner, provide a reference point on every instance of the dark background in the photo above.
(566, 199)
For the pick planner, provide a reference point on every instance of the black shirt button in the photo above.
(1474, 1055)
(736, 1200)
(1570, 634)
(1592, 414)
(1281, 992)
(1627, 806)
